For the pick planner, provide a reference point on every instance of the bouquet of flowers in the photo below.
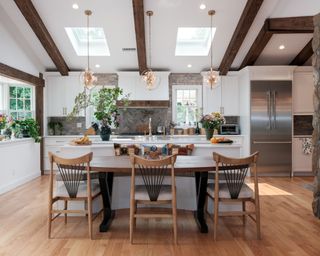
(212, 121)
(3, 121)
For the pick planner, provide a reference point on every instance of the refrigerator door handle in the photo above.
(269, 109)
(274, 109)
(271, 142)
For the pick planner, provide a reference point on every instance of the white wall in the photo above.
(15, 51)
(20, 163)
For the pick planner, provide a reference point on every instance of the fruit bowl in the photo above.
(216, 140)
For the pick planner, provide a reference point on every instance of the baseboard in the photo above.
(7, 187)
(303, 174)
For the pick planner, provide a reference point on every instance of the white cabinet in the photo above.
(302, 90)
(300, 162)
(230, 95)
(223, 98)
(132, 84)
(61, 92)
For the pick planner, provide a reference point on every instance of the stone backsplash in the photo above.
(136, 120)
(69, 127)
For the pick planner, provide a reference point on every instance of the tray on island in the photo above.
(73, 143)
(226, 141)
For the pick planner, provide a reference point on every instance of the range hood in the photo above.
(145, 104)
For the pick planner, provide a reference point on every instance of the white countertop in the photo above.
(15, 141)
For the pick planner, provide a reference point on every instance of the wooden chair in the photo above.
(234, 189)
(71, 172)
(153, 191)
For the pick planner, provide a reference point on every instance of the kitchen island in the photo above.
(121, 185)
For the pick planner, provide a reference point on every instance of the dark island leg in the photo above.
(201, 179)
(106, 182)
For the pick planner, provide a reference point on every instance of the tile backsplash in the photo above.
(69, 127)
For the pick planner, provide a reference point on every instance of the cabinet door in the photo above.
(302, 92)
(300, 161)
(230, 95)
(55, 96)
(211, 99)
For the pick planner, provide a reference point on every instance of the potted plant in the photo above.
(106, 109)
(27, 128)
(212, 122)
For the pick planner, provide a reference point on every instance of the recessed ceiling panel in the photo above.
(273, 54)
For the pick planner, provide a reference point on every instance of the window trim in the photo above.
(7, 98)
(185, 87)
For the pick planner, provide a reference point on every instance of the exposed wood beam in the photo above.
(31, 15)
(11, 72)
(277, 26)
(291, 25)
(248, 15)
(138, 13)
(258, 45)
(303, 55)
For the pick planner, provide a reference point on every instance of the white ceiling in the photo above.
(116, 17)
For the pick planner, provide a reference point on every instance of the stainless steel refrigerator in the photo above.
(271, 126)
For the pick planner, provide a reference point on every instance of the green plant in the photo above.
(27, 127)
(104, 102)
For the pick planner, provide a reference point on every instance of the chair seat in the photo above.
(82, 191)
(141, 193)
(246, 191)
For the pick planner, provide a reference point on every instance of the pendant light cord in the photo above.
(88, 46)
(211, 43)
(149, 41)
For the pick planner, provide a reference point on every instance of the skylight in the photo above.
(193, 41)
(97, 39)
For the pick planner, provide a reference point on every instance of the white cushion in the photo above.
(141, 193)
(246, 191)
(82, 190)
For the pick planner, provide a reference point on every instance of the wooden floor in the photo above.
(288, 228)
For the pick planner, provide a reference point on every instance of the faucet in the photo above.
(150, 127)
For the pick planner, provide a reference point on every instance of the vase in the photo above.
(209, 133)
(105, 132)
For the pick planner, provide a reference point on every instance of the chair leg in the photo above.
(49, 219)
(216, 212)
(244, 209)
(132, 219)
(90, 216)
(258, 220)
(65, 208)
(174, 222)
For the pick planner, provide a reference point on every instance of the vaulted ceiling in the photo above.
(118, 21)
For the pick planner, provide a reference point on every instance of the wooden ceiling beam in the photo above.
(248, 15)
(291, 25)
(138, 13)
(31, 15)
(272, 26)
(22, 76)
(303, 55)
(258, 45)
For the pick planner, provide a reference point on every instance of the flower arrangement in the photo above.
(212, 121)
(3, 121)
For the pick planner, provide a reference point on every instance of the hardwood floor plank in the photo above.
(288, 228)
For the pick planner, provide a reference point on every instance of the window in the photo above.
(20, 101)
(187, 104)
(193, 41)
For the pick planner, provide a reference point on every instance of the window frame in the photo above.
(199, 98)
(8, 97)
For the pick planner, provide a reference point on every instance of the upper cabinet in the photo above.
(61, 92)
(132, 84)
(223, 98)
(302, 91)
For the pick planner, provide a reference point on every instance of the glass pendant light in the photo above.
(211, 77)
(148, 76)
(87, 77)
